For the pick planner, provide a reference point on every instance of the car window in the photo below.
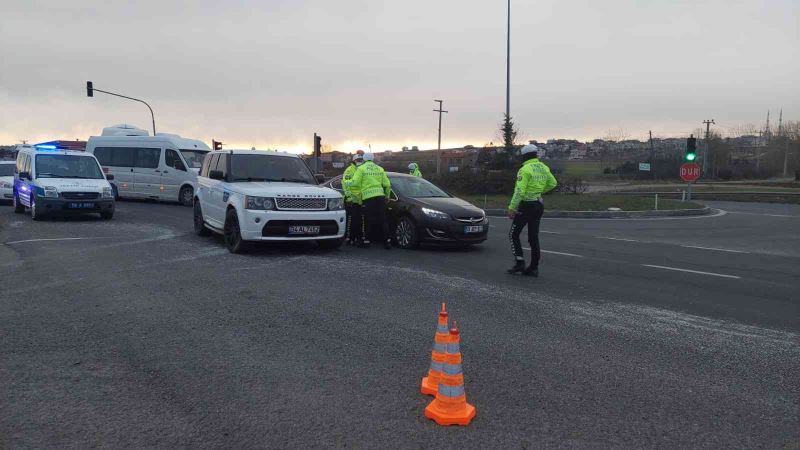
(213, 164)
(148, 158)
(337, 184)
(67, 166)
(116, 156)
(415, 187)
(222, 165)
(27, 165)
(270, 168)
(194, 158)
(6, 170)
(206, 162)
(172, 159)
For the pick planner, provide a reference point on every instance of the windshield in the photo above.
(416, 188)
(6, 170)
(67, 166)
(269, 168)
(194, 157)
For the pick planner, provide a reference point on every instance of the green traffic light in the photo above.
(690, 156)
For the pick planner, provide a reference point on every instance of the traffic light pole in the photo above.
(152, 116)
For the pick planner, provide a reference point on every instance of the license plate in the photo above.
(473, 229)
(81, 205)
(304, 229)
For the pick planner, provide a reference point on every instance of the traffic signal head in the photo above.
(216, 145)
(691, 149)
(89, 89)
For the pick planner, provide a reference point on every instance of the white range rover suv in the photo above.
(255, 195)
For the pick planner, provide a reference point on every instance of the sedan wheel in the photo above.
(406, 233)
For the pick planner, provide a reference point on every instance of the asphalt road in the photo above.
(639, 333)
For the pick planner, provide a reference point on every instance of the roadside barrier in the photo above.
(450, 406)
(430, 384)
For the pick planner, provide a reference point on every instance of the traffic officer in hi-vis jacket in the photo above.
(526, 208)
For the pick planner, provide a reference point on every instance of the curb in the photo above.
(613, 214)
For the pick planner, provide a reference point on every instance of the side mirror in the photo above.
(24, 175)
(319, 177)
(109, 177)
(216, 175)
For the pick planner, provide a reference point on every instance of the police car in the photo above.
(52, 181)
(6, 180)
(253, 195)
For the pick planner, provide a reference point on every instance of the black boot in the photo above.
(518, 267)
(531, 271)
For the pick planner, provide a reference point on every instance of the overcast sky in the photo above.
(271, 73)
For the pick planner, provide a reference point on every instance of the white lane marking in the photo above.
(549, 232)
(556, 253)
(715, 249)
(54, 239)
(759, 214)
(616, 239)
(692, 271)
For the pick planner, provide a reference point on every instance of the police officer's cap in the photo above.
(530, 148)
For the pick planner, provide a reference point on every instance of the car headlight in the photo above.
(262, 203)
(50, 191)
(5, 185)
(108, 193)
(335, 204)
(435, 214)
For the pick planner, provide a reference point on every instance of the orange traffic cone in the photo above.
(450, 406)
(430, 384)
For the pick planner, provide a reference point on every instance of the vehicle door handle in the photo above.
(157, 171)
(166, 171)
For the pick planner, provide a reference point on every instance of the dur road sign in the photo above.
(690, 172)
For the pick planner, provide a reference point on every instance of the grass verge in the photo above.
(585, 202)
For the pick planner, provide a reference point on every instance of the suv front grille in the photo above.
(301, 204)
(80, 195)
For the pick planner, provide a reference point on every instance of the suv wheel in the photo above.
(199, 224)
(19, 208)
(406, 233)
(186, 196)
(233, 234)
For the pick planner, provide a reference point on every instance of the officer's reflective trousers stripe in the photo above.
(530, 215)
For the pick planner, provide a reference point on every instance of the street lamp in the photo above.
(90, 90)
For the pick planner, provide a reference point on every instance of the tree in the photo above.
(509, 133)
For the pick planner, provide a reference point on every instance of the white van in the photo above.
(52, 181)
(7, 180)
(160, 167)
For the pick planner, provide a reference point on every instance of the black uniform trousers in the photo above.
(376, 226)
(528, 214)
(354, 230)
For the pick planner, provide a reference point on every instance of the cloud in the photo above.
(272, 73)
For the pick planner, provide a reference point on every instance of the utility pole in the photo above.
(706, 156)
(786, 157)
(439, 145)
(652, 156)
(508, 62)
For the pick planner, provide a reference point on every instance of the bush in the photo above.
(572, 186)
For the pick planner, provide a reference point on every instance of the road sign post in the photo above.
(689, 173)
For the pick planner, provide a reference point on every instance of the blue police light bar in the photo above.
(47, 147)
